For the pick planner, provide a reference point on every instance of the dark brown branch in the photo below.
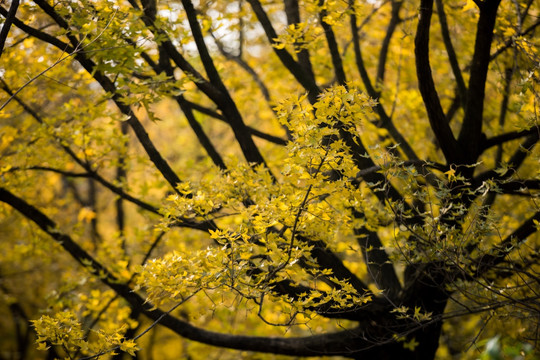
(326, 259)
(262, 86)
(329, 309)
(38, 34)
(198, 37)
(358, 150)
(471, 131)
(54, 170)
(488, 261)
(437, 119)
(10, 16)
(201, 82)
(454, 64)
(358, 54)
(292, 11)
(503, 138)
(244, 65)
(161, 164)
(199, 132)
(386, 121)
(306, 80)
(216, 90)
(332, 46)
(271, 138)
(207, 111)
(383, 55)
(522, 152)
(519, 186)
(378, 262)
(515, 161)
(188, 112)
(420, 165)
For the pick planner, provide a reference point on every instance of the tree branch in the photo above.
(188, 112)
(10, 16)
(378, 262)
(292, 11)
(513, 135)
(332, 46)
(199, 132)
(201, 82)
(515, 161)
(505, 247)
(383, 55)
(518, 186)
(471, 131)
(217, 90)
(244, 65)
(38, 34)
(198, 37)
(510, 42)
(268, 137)
(454, 64)
(307, 81)
(437, 120)
(386, 121)
(326, 259)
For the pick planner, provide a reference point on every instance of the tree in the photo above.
(302, 178)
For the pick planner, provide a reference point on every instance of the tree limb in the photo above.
(292, 11)
(386, 121)
(222, 97)
(188, 112)
(503, 138)
(470, 134)
(10, 16)
(454, 64)
(378, 263)
(383, 55)
(307, 81)
(505, 247)
(437, 120)
(332, 46)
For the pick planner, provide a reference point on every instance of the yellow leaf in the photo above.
(469, 5)
(129, 346)
(451, 174)
(86, 215)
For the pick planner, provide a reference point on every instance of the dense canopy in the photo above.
(262, 179)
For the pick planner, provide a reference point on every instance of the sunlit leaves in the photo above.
(64, 330)
(257, 246)
(301, 36)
